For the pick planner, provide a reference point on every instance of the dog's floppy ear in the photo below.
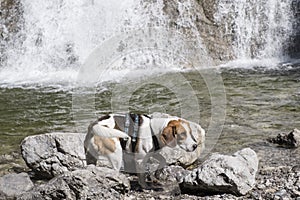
(168, 136)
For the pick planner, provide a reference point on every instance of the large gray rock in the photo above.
(224, 174)
(12, 185)
(52, 154)
(218, 174)
(91, 183)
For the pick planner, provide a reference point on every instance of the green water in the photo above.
(259, 103)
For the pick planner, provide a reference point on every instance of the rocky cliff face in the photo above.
(198, 16)
(10, 24)
(294, 48)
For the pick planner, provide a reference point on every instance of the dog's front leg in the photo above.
(143, 169)
(162, 163)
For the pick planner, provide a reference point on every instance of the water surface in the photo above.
(260, 103)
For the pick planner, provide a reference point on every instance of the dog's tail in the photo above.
(108, 132)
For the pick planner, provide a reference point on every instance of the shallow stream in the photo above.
(260, 103)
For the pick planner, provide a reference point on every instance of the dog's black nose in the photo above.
(195, 146)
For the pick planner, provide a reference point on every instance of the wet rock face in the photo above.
(199, 17)
(10, 23)
(294, 48)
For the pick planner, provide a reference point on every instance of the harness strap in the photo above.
(135, 128)
(134, 135)
(154, 139)
(127, 124)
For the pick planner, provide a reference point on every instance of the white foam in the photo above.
(268, 63)
(58, 36)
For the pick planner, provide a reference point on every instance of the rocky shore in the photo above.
(264, 171)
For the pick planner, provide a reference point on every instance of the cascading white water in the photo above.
(57, 36)
(260, 28)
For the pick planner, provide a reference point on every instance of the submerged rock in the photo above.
(218, 174)
(52, 154)
(91, 183)
(12, 185)
(291, 139)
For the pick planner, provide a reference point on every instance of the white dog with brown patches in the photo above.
(112, 134)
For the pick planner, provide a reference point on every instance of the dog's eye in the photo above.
(182, 135)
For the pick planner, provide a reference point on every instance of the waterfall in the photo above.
(55, 37)
(261, 29)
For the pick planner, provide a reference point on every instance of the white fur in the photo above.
(105, 128)
(108, 132)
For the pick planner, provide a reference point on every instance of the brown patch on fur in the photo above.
(172, 131)
(167, 137)
(105, 145)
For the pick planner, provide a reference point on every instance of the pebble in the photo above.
(281, 193)
(268, 183)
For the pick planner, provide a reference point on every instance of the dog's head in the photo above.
(178, 132)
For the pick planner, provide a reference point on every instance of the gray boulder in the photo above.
(291, 139)
(52, 154)
(12, 185)
(91, 183)
(218, 174)
(224, 174)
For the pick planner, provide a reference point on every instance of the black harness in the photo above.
(134, 135)
(134, 120)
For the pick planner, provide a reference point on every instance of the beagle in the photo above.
(111, 135)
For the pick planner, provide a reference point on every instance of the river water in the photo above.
(260, 103)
